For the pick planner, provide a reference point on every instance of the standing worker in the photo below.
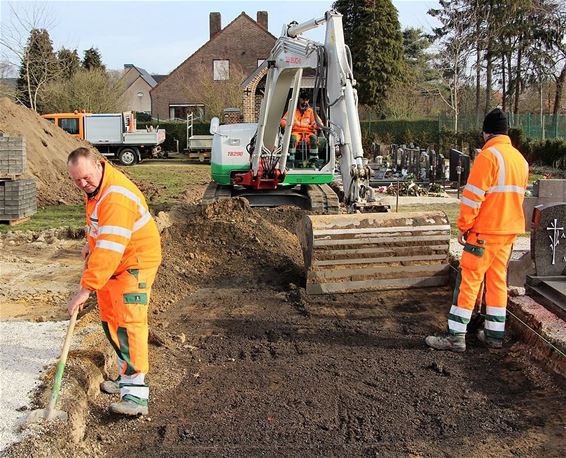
(491, 216)
(304, 128)
(122, 255)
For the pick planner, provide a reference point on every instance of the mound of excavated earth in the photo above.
(226, 242)
(47, 150)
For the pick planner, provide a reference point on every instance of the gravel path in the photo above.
(27, 348)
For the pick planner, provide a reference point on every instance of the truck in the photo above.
(366, 249)
(113, 134)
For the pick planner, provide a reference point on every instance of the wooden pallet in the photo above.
(10, 176)
(14, 222)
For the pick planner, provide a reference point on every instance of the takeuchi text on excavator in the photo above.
(366, 249)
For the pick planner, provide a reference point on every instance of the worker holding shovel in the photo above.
(122, 255)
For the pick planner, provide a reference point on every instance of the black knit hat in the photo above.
(495, 122)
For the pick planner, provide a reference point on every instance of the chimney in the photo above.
(262, 19)
(215, 23)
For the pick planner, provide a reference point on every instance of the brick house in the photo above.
(234, 51)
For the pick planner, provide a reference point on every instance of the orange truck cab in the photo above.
(113, 134)
(72, 123)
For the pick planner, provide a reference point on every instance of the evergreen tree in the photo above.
(373, 33)
(415, 44)
(38, 66)
(69, 62)
(92, 60)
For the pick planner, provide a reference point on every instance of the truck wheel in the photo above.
(127, 156)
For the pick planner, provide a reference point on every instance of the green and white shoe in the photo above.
(449, 342)
(490, 342)
(130, 407)
(110, 386)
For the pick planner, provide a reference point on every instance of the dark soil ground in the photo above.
(244, 364)
(264, 373)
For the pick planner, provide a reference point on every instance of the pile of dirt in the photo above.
(226, 243)
(47, 150)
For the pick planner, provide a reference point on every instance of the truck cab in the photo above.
(72, 123)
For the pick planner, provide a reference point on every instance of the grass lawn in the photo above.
(171, 180)
(72, 216)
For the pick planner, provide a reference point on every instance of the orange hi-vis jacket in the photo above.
(492, 201)
(303, 123)
(121, 232)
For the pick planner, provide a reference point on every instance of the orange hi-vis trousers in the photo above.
(123, 304)
(483, 257)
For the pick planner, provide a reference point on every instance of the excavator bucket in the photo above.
(375, 251)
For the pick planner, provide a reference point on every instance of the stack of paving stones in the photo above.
(18, 195)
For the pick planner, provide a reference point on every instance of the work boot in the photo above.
(447, 342)
(490, 342)
(110, 386)
(129, 407)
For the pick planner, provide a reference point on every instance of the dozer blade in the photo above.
(375, 251)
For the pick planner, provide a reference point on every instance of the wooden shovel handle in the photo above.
(61, 367)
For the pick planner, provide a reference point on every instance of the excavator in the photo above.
(353, 247)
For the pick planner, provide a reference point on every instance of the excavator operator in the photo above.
(304, 128)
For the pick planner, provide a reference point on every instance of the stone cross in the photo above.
(557, 234)
(549, 221)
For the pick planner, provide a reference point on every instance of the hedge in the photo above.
(419, 132)
(176, 131)
(546, 152)
(401, 131)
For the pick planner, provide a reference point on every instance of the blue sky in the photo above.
(158, 35)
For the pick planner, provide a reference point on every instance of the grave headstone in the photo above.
(459, 161)
(548, 239)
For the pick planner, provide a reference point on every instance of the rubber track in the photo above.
(215, 192)
(323, 199)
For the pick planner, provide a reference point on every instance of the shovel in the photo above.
(39, 415)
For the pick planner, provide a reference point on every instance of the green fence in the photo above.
(535, 126)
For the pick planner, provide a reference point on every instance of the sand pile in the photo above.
(225, 244)
(47, 150)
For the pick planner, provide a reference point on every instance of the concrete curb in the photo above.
(545, 323)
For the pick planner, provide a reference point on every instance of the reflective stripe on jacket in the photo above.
(302, 122)
(121, 232)
(492, 200)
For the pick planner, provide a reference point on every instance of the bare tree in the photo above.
(6, 71)
(16, 40)
(559, 25)
(94, 91)
(456, 48)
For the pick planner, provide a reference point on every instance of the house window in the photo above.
(221, 70)
(181, 110)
